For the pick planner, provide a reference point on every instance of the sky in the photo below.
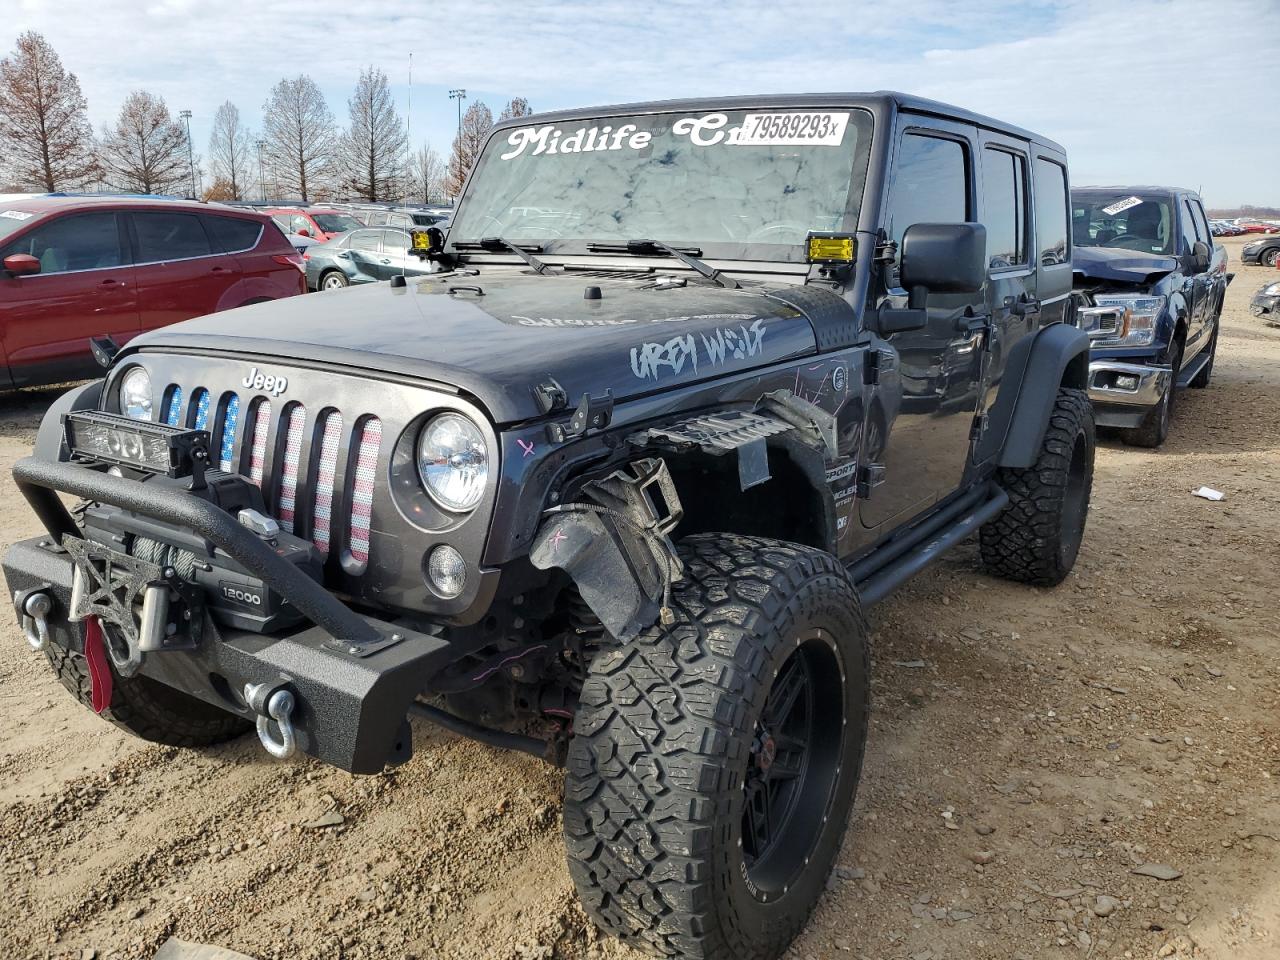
(1179, 92)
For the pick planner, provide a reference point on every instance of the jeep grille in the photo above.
(318, 476)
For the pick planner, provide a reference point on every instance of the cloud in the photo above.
(1164, 90)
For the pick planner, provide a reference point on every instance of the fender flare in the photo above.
(51, 442)
(1057, 356)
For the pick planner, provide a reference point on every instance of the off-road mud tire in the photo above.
(1035, 539)
(147, 708)
(664, 736)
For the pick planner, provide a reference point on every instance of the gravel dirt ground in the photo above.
(1034, 756)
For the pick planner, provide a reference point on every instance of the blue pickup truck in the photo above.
(1150, 284)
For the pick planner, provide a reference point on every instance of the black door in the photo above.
(1011, 269)
(926, 423)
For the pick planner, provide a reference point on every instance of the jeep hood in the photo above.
(1126, 266)
(499, 335)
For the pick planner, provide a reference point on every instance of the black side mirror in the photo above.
(942, 258)
(1201, 256)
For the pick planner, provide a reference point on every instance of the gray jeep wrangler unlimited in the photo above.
(688, 387)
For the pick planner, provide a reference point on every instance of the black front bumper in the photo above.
(353, 677)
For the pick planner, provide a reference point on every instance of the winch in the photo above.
(231, 594)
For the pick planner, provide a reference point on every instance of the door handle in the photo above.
(218, 270)
(1023, 306)
(386, 261)
(976, 323)
(111, 283)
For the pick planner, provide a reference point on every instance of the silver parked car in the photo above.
(362, 256)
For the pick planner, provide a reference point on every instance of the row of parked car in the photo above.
(83, 266)
(1241, 226)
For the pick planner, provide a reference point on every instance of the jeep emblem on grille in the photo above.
(257, 380)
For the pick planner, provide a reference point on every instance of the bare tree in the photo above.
(146, 150)
(299, 133)
(476, 124)
(516, 107)
(45, 136)
(229, 151)
(374, 146)
(427, 175)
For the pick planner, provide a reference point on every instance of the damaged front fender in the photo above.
(614, 542)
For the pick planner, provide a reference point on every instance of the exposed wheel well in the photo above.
(786, 507)
(1076, 374)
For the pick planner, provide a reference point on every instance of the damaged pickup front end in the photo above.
(1130, 321)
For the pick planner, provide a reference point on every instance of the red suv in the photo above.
(319, 222)
(73, 268)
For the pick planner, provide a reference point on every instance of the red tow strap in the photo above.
(99, 670)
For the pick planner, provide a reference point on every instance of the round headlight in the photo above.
(453, 461)
(135, 394)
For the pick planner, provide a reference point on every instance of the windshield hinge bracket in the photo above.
(593, 413)
(886, 252)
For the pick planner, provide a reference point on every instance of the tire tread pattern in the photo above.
(660, 725)
(1023, 542)
(147, 708)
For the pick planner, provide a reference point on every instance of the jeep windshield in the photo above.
(737, 184)
(1122, 221)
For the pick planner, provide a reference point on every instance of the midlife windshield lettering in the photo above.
(800, 128)
(551, 139)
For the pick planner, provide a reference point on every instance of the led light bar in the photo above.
(121, 441)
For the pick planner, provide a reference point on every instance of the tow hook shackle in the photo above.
(273, 703)
(33, 611)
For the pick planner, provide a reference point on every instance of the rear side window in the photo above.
(86, 241)
(931, 185)
(170, 236)
(1051, 212)
(1004, 203)
(395, 241)
(234, 234)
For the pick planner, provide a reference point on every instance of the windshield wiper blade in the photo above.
(498, 244)
(687, 256)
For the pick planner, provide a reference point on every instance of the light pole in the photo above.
(459, 95)
(262, 176)
(191, 162)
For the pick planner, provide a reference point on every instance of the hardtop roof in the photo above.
(880, 101)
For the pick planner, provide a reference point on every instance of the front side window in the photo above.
(1190, 228)
(1004, 190)
(170, 236)
(930, 185)
(1051, 212)
(736, 184)
(365, 240)
(1122, 221)
(86, 241)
